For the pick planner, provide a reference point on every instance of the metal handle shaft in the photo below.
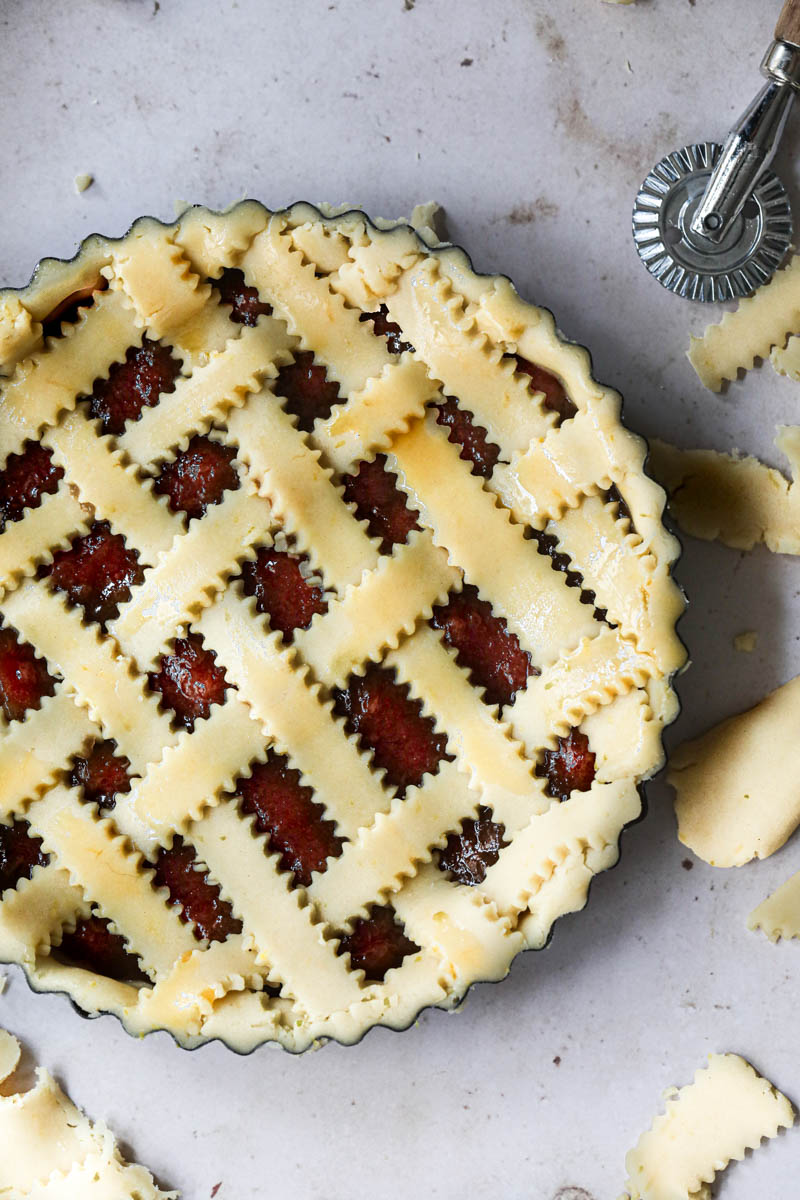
(750, 146)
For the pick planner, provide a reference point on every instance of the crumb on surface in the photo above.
(746, 642)
(83, 181)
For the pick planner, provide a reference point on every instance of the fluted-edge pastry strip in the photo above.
(466, 519)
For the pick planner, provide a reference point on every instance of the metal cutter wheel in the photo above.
(712, 222)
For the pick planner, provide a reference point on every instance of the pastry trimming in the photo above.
(346, 609)
(730, 498)
(52, 1151)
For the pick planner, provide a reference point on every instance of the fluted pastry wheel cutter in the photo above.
(712, 222)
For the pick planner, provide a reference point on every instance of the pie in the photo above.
(337, 626)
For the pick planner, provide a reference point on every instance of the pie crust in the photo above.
(603, 666)
(727, 1110)
(52, 1151)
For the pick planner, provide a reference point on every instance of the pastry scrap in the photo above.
(761, 322)
(779, 915)
(733, 499)
(726, 1110)
(337, 626)
(737, 788)
(51, 1150)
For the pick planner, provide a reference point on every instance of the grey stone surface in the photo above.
(532, 123)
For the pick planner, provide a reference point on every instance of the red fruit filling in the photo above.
(136, 383)
(176, 870)
(97, 572)
(570, 767)
(68, 311)
(246, 306)
(377, 943)
(485, 647)
(24, 678)
(472, 438)
(95, 947)
(275, 579)
(383, 327)
(102, 775)
(380, 503)
(20, 852)
(198, 476)
(466, 855)
(304, 386)
(189, 680)
(286, 811)
(555, 396)
(387, 720)
(25, 479)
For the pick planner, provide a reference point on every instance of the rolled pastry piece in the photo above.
(737, 788)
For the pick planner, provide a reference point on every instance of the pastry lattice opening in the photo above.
(307, 662)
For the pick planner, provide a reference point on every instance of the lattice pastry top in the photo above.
(337, 626)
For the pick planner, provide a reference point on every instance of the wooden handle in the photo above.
(788, 27)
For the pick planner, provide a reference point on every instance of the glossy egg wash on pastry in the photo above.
(336, 626)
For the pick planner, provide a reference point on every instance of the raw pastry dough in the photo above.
(738, 786)
(779, 915)
(468, 334)
(736, 500)
(49, 1150)
(759, 323)
(727, 1109)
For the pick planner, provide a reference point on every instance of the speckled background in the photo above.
(532, 123)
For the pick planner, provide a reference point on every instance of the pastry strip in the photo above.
(453, 504)
(111, 875)
(594, 674)
(287, 939)
(386, 406)
(726, 1110)
(312, 312)
(208, 393)
(102, 681)
(434, 320)
(386, 604)
(32, 753)
(293, 714)
(50, 527)
(382, 856)
(548, 839)
(303, 496)
(187, 577)
(115, 491)
(193, 774)
(737, 788)
(482, 745)
(759, 323)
